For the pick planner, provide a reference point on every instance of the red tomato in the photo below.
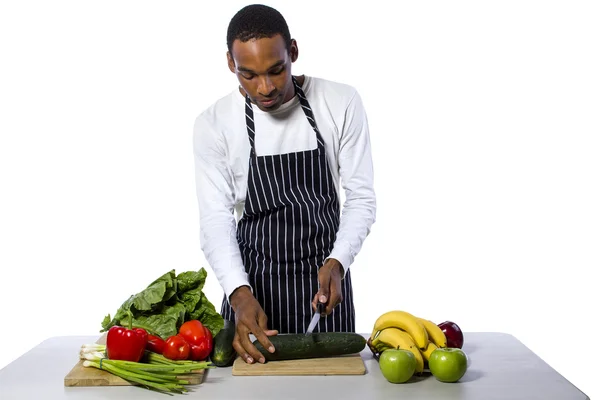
(176, 348)
(155, 344)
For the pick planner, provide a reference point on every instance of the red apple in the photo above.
(454, 335)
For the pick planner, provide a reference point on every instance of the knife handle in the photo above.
(320, 308)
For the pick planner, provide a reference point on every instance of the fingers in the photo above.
(334, 299)
(239, 349)
(249, 347)
(261, 328)
(262, 321)
(335, 294)
(252, 319)
(324, 284)
(315, 300)
(243, 345)
(322, 295)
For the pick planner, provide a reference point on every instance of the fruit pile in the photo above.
(407, 345)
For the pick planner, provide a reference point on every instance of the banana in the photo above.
(381, 346)
(434, 333)
(427, 352)
(406, 322)
(396, 338)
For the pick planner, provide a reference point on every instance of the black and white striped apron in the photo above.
(286, 232)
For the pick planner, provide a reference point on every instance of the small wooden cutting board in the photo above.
(344, 365)
(89, 376)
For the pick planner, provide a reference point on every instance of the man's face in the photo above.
(264, 69)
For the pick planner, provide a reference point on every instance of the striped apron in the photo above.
(286, 232)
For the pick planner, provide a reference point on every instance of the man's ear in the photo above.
(294, 50)
(230, 62)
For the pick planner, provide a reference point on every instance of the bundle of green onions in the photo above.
(158, 372)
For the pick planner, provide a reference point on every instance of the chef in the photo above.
(270, 157)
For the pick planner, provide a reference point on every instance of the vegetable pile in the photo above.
(159, 335)
(162, 307)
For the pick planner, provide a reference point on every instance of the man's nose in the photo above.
(266, 87)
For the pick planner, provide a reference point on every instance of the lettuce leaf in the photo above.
(166, 303)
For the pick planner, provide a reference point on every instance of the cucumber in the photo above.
(223, 353)
(295, 346)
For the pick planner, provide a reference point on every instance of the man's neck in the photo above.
(300, 79)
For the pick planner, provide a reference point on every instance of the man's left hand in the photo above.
(330, 286)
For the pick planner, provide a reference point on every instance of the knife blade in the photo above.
(315, 319)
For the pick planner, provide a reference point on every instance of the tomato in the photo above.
(176, 348)
(199, 337)
(155, 344)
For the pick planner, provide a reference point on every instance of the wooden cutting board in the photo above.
(344, 365)
(88, 376)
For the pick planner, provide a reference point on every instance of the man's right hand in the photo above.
(250, 318)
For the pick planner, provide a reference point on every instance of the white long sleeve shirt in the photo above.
(222, 151)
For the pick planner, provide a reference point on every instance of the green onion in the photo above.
(159, 373)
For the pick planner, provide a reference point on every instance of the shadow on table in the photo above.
(471, 375)
(469, 348)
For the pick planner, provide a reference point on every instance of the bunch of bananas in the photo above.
(400, 329)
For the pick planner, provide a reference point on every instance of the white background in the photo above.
(485, 129)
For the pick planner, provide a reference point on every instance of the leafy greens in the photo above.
(167, 303)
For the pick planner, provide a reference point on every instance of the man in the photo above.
(273, 152)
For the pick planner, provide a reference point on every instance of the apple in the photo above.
(397, 365)
(448, 364)
(454, 335)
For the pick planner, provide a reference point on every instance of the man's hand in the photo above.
(330, 286)
(250, 318)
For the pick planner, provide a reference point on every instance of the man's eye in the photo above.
(277, 71)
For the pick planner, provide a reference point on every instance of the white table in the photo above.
(501, 367)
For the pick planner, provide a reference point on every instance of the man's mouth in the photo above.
(268, 102)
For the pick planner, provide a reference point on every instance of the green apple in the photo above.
(448, 364)
(397, 365)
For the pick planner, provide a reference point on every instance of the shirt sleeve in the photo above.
(356, 174)
(216, 200)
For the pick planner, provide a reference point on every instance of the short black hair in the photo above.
(257, 21)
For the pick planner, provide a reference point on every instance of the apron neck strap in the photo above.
(305, 107)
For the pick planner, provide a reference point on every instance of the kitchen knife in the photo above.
(315, 319)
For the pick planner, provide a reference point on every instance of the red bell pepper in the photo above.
(201, 351)
(142, 332)
(155, 344)
(199, 337)
(125, 344)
